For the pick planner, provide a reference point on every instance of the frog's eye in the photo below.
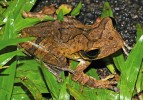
(91, 55)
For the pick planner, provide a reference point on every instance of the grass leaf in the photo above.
(76, 10)
(119, 60)
(8, 42)
(29, 22)
(5, 58)
(131, 70)
(13, 15)
(65, 8)
(7, 81)
(64, 95)
(60, 15)
(139, 29)
(76, 94)
(52, 83)
(32, 88)
(139, 83)
(107, 11)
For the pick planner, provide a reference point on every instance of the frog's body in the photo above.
(55, 41)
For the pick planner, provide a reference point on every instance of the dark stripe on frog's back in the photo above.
(67, 34)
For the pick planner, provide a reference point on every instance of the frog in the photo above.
(56, 42)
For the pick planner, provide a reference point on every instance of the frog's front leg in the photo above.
(84, 79)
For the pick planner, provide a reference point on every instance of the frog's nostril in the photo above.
(92, 54)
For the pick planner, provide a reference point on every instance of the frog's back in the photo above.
(67, 34)
(53, 40)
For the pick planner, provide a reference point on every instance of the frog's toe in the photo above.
(59, 79)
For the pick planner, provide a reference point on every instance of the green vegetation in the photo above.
(23, 79)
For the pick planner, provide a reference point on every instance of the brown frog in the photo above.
(56, 42)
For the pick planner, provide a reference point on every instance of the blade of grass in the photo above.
(76, 94)
(104, 94)
(8, 42)
(29, 22)
(7, 81)
(76, 10)
(60, 15)
(5, 58)
(139, 83)
(139, 31)
(64, 95)
(13, 14)
(52, 83)
(19, 94)
(65, 8)
(30, 68)
(8, 28)
(119, 60)
(26, 5)
(130, 72)
(2, 67)
(17, 6)
(100, 94)
(92, 72)
(32, 88)
(107, 11)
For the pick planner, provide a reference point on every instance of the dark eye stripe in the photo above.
(90, 55)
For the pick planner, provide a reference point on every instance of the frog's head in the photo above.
(104, 40)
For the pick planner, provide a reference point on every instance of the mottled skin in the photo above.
(55, 42)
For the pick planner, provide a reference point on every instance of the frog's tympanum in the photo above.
(57, 41)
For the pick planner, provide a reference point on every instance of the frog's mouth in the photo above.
(89, 55)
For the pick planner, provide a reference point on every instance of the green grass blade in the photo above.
(131, 70)
(19, 94)
(107, 11)
(109, 64)
(7, 81)
(60, 15)
(8, 31)
(139, 29)
(92, 72)
(104, 94)
(32, 88)
(76, 10)
(29, 22)
(25, 23)
(119, 60)
(13, 14)
(76, 94)
(65, 8)
(24, 5)
(100, 94)
(139, 83)
(52, 83)
(5, 58)
(64, 95)
(8, 42)
(30, 68)
(17, 6)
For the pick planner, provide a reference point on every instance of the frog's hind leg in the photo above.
(84, 79)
